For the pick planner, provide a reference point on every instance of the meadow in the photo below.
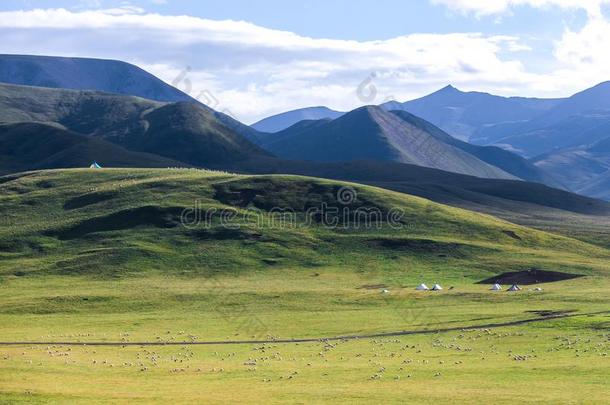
(102, 257)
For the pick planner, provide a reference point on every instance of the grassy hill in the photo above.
(30, 146)
(103, 255)
(114, 207)
(444, 187)
(183, 131)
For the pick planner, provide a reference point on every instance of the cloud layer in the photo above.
(489, 7)
(253, 71)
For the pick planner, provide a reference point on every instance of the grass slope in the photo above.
(29, 146)
(101, 256)
(183, 131)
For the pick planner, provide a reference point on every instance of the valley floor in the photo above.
(562, 360)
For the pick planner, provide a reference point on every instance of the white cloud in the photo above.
(489, 7)
(252, 71)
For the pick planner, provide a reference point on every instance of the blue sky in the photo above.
(344, 19)
(258, 58)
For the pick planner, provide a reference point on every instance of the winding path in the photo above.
(308, 340)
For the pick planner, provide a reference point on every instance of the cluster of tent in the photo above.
(495, 287)
(423, 287)
(514, 287)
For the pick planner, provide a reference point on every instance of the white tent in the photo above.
(436, 287)
(496, 287)
(385, 291)
(94, 165)
(514, 287)
(422, 287)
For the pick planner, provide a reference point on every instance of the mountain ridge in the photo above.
(183, 131)
(279, 122)
(372, 133)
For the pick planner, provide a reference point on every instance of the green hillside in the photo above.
(112, 256)
(134, 218)
(30, 146)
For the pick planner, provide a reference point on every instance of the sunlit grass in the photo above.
(149, 283)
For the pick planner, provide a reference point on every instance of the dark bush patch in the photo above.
(45, 184)
(20, 246)
(152, 216)
(511, 234)
(531, 276)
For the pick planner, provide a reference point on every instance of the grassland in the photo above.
(101, 256)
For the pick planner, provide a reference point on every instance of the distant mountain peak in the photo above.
(448, 89)
(279, 122)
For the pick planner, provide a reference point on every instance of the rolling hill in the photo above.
(186, 133)
(372, 133)
(506, 198)
(279, 122)
(183, 131)
(121, 209)
(30, 146)
(108, 76)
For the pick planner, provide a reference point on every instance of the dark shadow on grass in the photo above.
(152, 216)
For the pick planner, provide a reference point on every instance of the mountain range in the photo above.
(462, 114)
(46, 127)
(557, 135)
(184, 131)
(104, 75)
(373, 133)
(579, 120)
(140, 124)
